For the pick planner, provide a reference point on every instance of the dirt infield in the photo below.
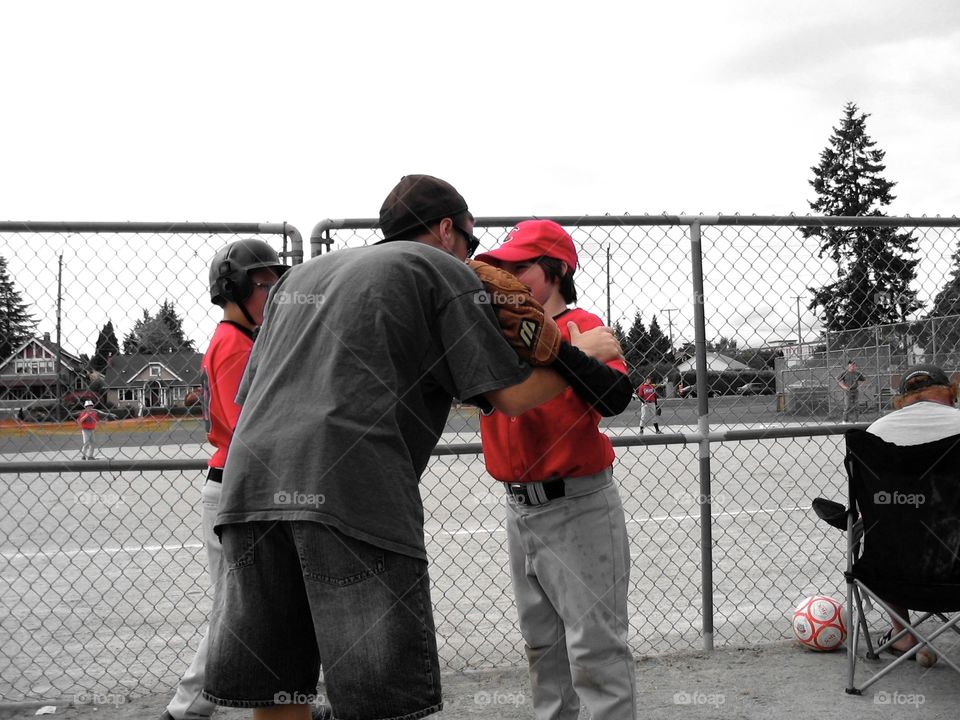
(773, 681)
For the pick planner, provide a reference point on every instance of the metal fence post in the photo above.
(703, 427)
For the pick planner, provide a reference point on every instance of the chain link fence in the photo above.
(105, 579)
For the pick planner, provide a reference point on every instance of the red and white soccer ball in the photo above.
(818, 623)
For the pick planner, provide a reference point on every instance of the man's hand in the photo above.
(599, 343)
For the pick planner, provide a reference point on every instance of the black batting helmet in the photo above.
(231, 266)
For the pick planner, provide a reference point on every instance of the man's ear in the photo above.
(446, 234)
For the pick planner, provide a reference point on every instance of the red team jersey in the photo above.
(88, 419)
(647, 393)
(559, 438)
(223, 366)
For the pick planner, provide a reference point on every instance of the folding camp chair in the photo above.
(905, 551)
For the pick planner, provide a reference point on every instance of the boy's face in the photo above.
(531, 274)
(263, 279)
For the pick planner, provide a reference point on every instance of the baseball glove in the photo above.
(534, 336)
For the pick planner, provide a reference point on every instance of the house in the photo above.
(28, 378)
(715, 362)
(152, 381)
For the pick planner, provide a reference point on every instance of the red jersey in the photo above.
(223, 366)
(647, 393)
(559, 438)
(88, 418)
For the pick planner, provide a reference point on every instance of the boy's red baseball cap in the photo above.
(532, 239)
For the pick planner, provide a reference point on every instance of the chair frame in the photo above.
(856, 590)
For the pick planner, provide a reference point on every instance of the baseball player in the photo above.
(87, 419)
(849, 381)
(241, 275)
(647, 392)
(346, 394)
(566, 530)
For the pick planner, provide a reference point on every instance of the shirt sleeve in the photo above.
(475, 357)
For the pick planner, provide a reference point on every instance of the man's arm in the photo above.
(541, 385)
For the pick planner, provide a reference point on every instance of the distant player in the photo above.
(566, 530)
(647, 392)
(87, 420)
(850, 381)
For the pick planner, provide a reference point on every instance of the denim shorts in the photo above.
(293, 592)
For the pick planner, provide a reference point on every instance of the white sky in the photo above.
(257, 112)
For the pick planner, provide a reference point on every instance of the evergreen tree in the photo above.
(16, 324)
(637, 349)
(660, 349)
(942, 318)
(875, 265)
(161, 334)
(105, 348)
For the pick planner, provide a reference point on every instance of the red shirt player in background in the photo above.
(87, 419)
(241, 275)
(647, 393)
(566, 531)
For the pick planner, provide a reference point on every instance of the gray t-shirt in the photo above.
(852, 380)
(349, 385)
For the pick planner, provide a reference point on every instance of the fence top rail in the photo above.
(317, 234)
(143, 227)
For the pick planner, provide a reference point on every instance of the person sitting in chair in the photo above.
(924, 412)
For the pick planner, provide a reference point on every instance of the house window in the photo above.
(154, 371)
(127, 395)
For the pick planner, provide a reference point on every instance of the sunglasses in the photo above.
(473, 242)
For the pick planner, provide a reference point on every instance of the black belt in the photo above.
(215, 474)
(536, 493)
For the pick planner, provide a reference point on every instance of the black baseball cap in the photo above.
(919, 377)
(415, 203)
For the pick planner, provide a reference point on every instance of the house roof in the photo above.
(71, 360)
(184, 365)
(715, 362)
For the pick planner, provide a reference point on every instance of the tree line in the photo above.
(875, 270)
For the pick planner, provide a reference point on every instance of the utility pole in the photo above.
(609, 317)
(799, 331)
(59, 367)
(668, 311)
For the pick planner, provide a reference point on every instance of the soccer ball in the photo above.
(818, 623)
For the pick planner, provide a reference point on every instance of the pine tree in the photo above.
(875, 265)
(659, 343)
(942, 319)
(105, 348)
(16, 324)
(637, 349)
(161, 334)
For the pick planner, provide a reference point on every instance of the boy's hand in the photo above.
(599, 343)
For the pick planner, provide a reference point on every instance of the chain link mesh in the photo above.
(105, 576)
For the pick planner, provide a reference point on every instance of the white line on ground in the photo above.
(455, 533)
